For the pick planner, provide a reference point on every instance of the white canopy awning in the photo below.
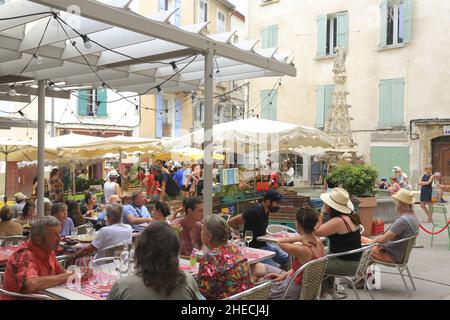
(121, 41)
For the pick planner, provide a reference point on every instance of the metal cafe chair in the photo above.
(32, 296)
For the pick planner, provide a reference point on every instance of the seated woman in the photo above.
(158, 276)
(161, 212)
(405, 226)
(74, 213)
(29, 213)
(394, 187)
(9, 227)
(344, 234)
(311, 249)
(223, 271)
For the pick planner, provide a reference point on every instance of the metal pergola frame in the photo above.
(144, 39)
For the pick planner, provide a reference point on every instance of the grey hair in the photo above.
(217, 227)
(134, 195)
(114, 211)
(405, 207)
(39, 228)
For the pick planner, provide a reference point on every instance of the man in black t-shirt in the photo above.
(169, 186)
(256, 219)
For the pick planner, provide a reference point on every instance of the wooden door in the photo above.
(441, 158)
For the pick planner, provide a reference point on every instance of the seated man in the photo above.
(440, 188)
(112, 199)
(405, 226)
(33, 267)
(113, 235)
(190, 235)
(136, 214)
(256, 219)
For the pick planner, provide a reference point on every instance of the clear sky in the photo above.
(241, 5)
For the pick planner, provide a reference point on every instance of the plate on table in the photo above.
(85, 238)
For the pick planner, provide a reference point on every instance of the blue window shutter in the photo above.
(392, 100)
(320, 107)
(273, 36)
(102, 97)
(265, 38)
(328, 93)
(322, 36)
(178, 132)
(407, 20)
(383, 22)
(178, 13)
(342, 30)
(159, 117)
(162, 5)
(82, 103)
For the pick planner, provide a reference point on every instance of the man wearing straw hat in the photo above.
(405, 226)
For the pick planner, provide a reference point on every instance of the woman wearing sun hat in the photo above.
(405, 226)
(343, 232)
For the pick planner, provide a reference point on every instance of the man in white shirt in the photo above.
(116, 234)
(402, 178)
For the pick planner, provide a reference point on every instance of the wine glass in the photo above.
(248, 237)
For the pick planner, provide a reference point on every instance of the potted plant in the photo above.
(360, 182)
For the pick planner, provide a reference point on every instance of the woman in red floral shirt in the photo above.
(223, 271)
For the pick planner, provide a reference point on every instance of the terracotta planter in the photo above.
(366, 213)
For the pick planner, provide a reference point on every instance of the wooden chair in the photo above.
(313, 273)
(403, 265)
(259, 292)
(16, 295)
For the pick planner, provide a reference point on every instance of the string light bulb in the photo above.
(87, 42)
(37, 58)
(174, 67)
(12, 92)
(158, 88)
(21, 113)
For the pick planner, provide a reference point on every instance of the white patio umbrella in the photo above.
(255, 131)
(10, 147)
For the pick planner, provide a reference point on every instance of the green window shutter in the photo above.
(385, 158)
(273, 107)
(273, 36)
(82, 103)
(102, 97)
(322, 36)
(328, 101)
(320, 107)
(383, 22)
(265, 38)
(407, 21)
(342, 30)
(392, 100)
(269, 102)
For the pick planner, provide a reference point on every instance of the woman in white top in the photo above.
(111, 187)
(289, 174)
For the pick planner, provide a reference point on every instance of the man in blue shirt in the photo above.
(178, 176)
(136, 214)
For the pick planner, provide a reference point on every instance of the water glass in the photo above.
(74, 234)
(104, 278)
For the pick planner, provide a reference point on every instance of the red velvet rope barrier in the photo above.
(435, 233)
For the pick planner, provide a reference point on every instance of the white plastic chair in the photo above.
(12, 240)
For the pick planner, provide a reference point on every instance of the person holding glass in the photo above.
(256, 220)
